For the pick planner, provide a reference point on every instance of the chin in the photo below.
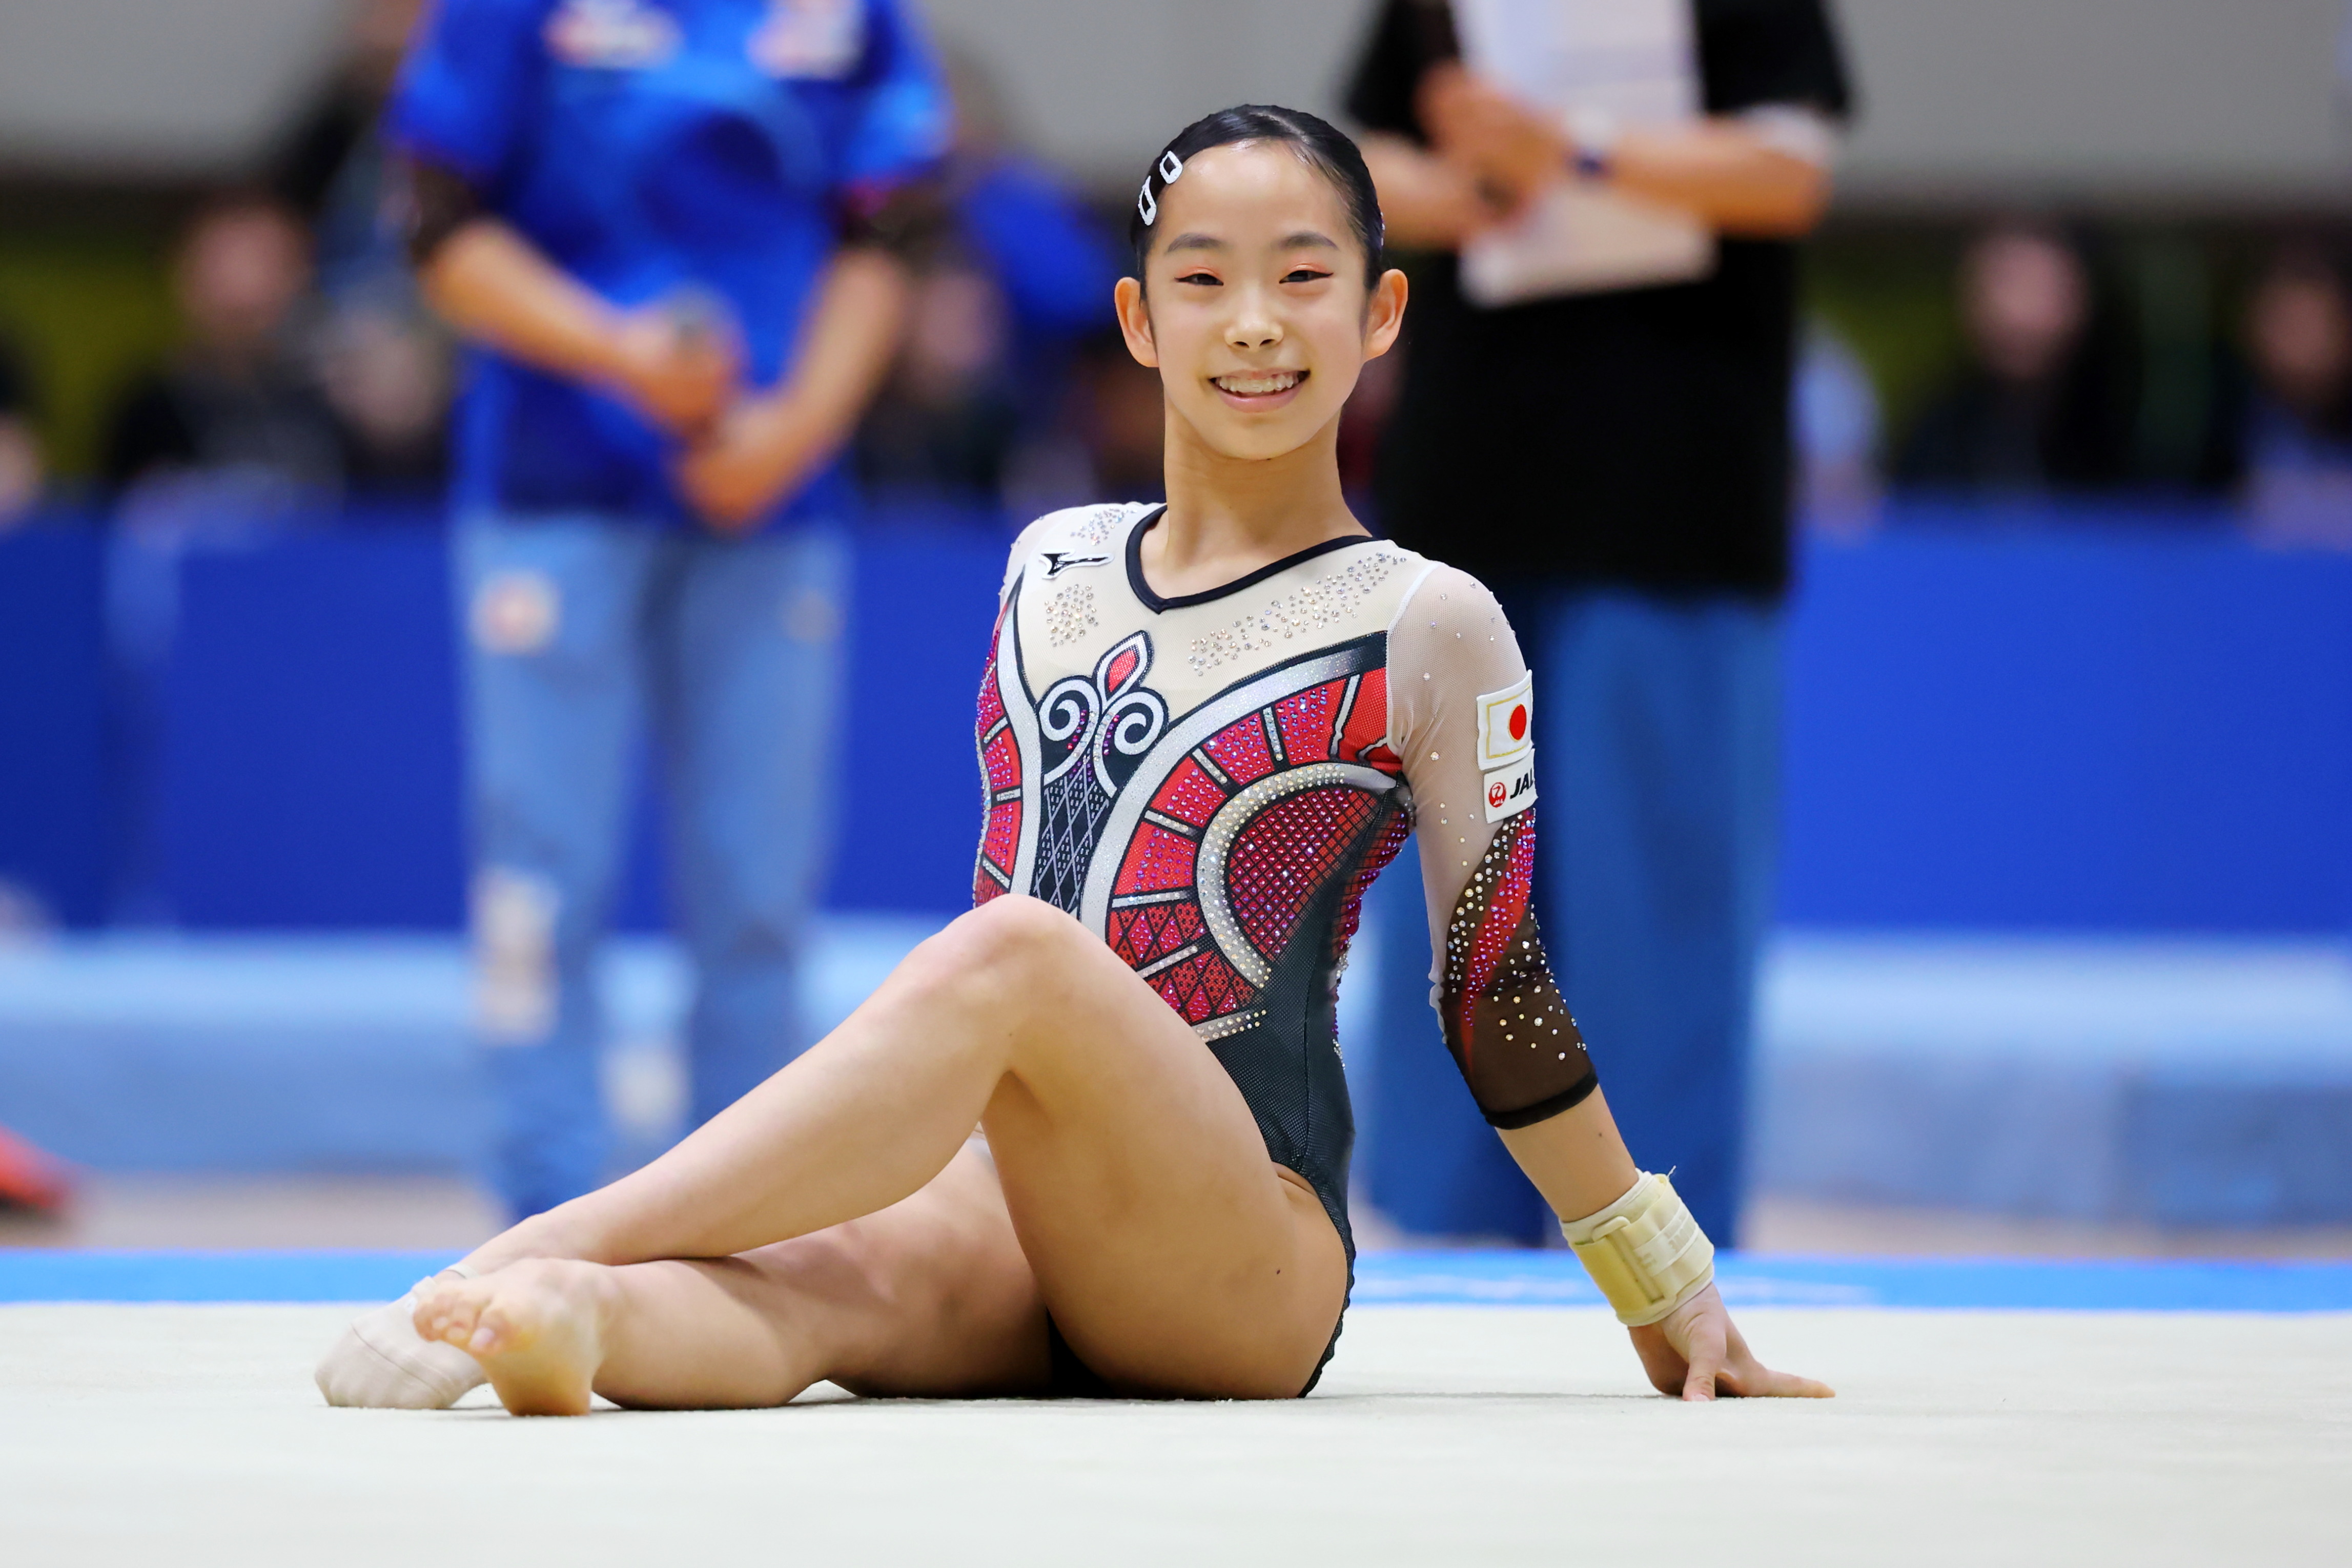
(1250, 441)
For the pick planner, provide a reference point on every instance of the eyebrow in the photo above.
(1311, 237)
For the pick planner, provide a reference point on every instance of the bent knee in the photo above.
(1006, 946)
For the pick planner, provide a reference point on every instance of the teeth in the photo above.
(1257, 383)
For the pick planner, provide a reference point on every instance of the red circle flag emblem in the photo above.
(1496, 794)
(1519, 722)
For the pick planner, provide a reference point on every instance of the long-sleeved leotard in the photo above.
(1210, 783)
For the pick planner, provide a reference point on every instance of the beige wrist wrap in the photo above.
(1644, 1251)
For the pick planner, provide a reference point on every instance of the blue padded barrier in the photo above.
(1382, 1279)
(1990, 726)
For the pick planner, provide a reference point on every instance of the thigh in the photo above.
(1175, 1256)
(929, 1298)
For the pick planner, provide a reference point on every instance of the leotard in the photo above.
(1210, 782)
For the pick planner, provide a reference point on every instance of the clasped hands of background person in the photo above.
(1510, 151)
(744, 449)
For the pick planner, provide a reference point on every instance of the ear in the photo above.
(1384, 314)
(1135, 322)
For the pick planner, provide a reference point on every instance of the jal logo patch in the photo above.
(1505, 724)
(1508, 791)
(809, 40)
(611, 35)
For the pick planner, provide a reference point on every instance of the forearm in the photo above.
(855, 320)
(1576, 1159)
(493, 287)
(1725, 173)
(1428, 202)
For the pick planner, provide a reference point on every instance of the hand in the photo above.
(1512, 150)
(680, 376)
(756, 452)
(1697, 1352)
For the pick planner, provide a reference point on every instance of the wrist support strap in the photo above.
(1644, 1251)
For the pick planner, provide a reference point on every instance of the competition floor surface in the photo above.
(157, 1407)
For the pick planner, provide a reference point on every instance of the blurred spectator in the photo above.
(331, 169)
(2035, 408)
(1015, 272)
(386, 373)
(238, 407)
(947, 420)
(1594, 419)
(383, 363)
(2297, 440)
(672, 236)
(20, 449)
(1835, 419)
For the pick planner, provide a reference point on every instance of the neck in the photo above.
(1229, 516)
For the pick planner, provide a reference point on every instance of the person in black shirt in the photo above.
(1617, 462)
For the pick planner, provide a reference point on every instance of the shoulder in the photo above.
(1099, 527)
(1446, 600)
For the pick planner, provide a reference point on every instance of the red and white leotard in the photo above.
(1210, 782)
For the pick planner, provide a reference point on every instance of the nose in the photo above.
(1255, 325)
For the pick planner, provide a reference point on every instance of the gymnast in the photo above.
(1092, 1138)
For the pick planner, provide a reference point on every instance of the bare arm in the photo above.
(494, 287)
(769, 442)
(1430, 202)
(1728, 174)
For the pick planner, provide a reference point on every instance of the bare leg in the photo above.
(931, 1296)
(1175, 1258)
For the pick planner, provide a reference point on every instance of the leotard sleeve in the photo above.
(1462, 711)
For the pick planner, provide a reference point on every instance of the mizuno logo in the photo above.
(1060, 562)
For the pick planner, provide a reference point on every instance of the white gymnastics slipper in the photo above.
(381, 1363)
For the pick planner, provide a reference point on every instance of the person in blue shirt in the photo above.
(661, 227)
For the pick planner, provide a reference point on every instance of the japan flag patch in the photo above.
(1507, 750)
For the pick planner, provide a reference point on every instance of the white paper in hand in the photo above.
(1634, 61)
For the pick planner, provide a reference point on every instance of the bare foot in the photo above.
(537, 1327)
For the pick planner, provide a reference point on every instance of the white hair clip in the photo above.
(1171, 166)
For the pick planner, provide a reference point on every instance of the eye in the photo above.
(1209, 279)
(1305, 274)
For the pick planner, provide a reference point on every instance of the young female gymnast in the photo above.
(1203, 728)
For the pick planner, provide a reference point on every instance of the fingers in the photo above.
(1745, 1377)
(1754, 1380)
(1706, 1355)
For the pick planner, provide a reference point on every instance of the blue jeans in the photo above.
(584, 634)
(1657, 767)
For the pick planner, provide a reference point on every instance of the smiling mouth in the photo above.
(1257, 383)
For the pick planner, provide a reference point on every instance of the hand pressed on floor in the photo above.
(1697, 1354)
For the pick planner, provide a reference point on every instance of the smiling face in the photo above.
(1256, 312)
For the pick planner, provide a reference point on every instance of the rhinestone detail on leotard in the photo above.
(1318, 605)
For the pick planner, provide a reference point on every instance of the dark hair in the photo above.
(1321, 145)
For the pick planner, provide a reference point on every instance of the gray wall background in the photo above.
(2164, 102)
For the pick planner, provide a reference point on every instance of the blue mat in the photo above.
(1382, 1279)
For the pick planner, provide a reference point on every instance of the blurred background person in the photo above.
(236, 414)
(1013, 271)
(661, 231)
(1836, 429)
(1613, 457)
(2296, 433)
(2034, 407)
(382, 361)
(21, 471)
